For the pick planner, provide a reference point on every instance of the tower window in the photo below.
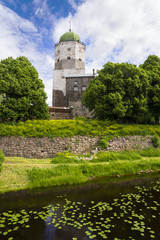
(75, 88)
(80, 59)
(58, 60)
(68, 58)
(83, 88)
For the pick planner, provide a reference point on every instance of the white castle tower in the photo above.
(69, 60)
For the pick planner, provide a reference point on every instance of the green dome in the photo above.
(69, 36)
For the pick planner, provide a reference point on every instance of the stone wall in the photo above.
(129, 142)
(61, 113)
(47, 148)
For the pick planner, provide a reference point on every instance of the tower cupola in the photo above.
(69, 36)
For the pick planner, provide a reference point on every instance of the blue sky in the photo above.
(113, 30)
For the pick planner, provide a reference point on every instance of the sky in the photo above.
(112, 30)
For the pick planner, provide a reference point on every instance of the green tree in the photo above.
(152, 67)
(22, 90)
(119, 92)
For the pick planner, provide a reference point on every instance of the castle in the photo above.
(69, 77)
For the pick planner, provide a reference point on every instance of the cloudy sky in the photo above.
(113, 30)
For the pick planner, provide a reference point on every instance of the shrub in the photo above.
(103, 143)
(81, 127)
(155, 141)
(1, 160)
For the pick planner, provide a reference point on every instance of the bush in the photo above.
(1, 160)
(103, 143)
(78, 127)
(155, 141)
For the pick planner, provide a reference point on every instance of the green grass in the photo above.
(68, 169)
(67, 157)
(1, 160)
(150, 152)
(69, 174)
(104, 156)
(14, 174)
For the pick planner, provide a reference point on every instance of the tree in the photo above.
(119, 92)
(152, 67)
(22, 92)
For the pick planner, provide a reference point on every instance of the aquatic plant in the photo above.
(132, 215)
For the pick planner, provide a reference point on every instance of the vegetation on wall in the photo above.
(125, 92)
(22, 93)
(155, 141)
(79, 127)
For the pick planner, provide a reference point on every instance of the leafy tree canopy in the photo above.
(21, 90)
(152, 67)
(119, 92)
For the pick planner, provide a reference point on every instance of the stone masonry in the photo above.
(47, 148)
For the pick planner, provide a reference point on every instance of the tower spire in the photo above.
(69, 25)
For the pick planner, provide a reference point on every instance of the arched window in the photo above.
(83, 87)
(75, 88)
(68, 58)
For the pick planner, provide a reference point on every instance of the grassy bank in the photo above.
(67, 169)
(68, 128)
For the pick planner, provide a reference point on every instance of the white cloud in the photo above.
(37, 1)
(19, 37)
(24, 8)
(115, 30)
(42, 10)
(73, 4)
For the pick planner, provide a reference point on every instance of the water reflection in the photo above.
(126, 209)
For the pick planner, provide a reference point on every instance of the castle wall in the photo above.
(70, 50)
(75, 87)
(69, 64)
(59, 86)
(69, 59)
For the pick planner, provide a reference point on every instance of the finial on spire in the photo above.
(70, 26)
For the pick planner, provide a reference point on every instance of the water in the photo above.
(122, 209)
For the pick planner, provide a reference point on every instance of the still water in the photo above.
(122, 209)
